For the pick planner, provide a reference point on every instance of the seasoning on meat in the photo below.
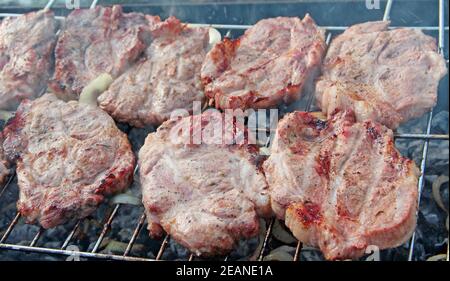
(26, 56)
(206, 196)
(387, 76)
(343, 186)
(275, 61)
(96, 41)
(68, 156)
(166, 79)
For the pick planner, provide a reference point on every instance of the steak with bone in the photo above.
(341, 185)
(96, 41)
(26, 56)
(209, 195)
(275, 61)
(69, 156)
(388, 76)
(167, 78)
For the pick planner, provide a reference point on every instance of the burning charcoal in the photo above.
(125, 234)
(440, 123)
(396, 254)
(53, 245)
(414, 126)
(438, 155)
(175, 251)
(118, 248)
(244, 249)
(178, 250)
(23, 233)
(137, 137)
(310, 254)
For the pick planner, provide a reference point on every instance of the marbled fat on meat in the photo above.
(275, 61)
(387, 76)
(167, 78)
(26, 56)
(96, 41)
(341, 185)
(68, 156)
(206, 196)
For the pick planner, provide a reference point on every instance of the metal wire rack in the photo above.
(426, 137)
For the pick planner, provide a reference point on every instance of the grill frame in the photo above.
(425, 137)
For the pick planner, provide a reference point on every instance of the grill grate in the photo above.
(425, 137)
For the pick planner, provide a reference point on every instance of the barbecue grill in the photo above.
(429, 16)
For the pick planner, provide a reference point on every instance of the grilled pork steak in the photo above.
(168, 78)
(69, 156)
(273, 62)
(26, 56)
(206, 196)
(388, 76)
(341, 185)
(96, 41)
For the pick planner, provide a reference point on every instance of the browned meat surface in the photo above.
(96, 41)
(388, 76)
(273, 62)
(26, 56)
(168, 78)
(206, 196)
(4, 164)
(69, 156)
(341, 185)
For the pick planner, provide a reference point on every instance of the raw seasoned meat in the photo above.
(68, 155)
(26, 56)
(167, 78)
(275, 61)
(96, 41)
(340, 184)
(388, 76)
(206, 196)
